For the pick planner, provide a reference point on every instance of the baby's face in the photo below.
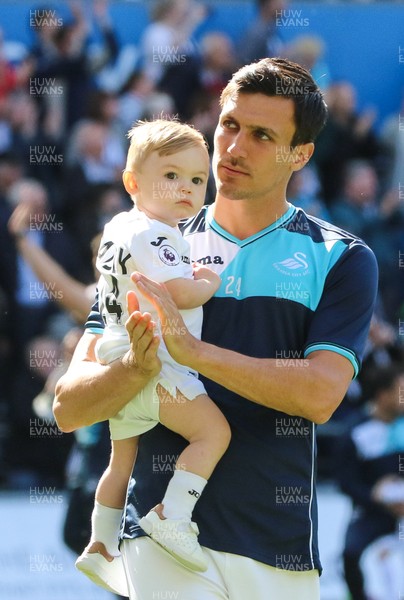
(172, 188)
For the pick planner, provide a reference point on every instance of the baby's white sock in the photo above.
(105, 526)
(182, 493)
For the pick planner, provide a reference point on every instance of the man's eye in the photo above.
(262, 135)
(197, 180)
(171, 175)
(229, 124)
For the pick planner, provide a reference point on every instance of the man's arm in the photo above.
(90, 392)
(311, 388)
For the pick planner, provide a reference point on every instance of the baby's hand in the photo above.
(202, 272)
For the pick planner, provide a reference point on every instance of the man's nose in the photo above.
(237, 149)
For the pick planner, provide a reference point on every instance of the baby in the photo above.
(166, 176)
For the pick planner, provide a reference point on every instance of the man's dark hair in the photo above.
(284, 78)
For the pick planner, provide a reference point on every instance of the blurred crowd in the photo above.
(65, 108)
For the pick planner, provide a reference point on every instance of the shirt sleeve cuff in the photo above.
(349, 354)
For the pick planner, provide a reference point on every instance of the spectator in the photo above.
(42, 403)
(303, 191)
(38, 143)
(262, 37)
(36, 357)
(5, 128)
(61, 53)
(368, 472)
(12, 77)
(87, 173)
(88, 157)
(110, 202)
(11, 170)
(348, 135)
(35, 452)
(70, 293)
(308, 50)
(134, 99)
(379, 222)
(159, 104)
(48, 360)
(167, 40)
(110, 63)
(202, 76)
(204, 116)
(30, 300)
(31, 311)
(218, 63)
(382, 350)
(357, 208)
(103, 108)
(393, 138)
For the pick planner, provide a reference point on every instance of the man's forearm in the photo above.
(90, 392)
(96, 393)
(310, 388)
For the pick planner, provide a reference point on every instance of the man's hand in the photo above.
(143, 342)
(90, 392)
(180, 343)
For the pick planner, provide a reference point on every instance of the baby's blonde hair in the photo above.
(161, 135)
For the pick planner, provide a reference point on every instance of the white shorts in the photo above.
(142, 412)
(152, 573)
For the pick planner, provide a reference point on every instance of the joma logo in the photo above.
(209, 260)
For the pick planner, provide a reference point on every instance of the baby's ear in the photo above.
(129, 182)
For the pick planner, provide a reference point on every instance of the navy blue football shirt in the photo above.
(297, 286)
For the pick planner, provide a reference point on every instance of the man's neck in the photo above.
(244, 218)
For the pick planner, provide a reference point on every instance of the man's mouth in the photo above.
(232, 170)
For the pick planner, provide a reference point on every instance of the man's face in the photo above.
(253, 159)
(361, 187)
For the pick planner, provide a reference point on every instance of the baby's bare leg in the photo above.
(111, 489)
(110, 498)
(202, 424)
